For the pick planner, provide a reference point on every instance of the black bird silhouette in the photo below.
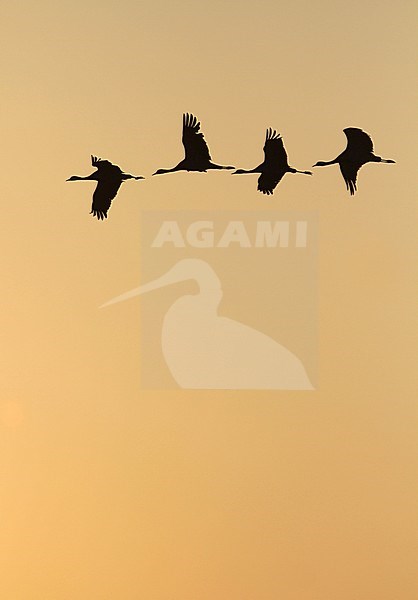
(358, 152)
(275, 164)
(197, 156)
(109, 178)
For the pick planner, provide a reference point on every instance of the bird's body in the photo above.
(109, 178)
(358, 152)
(197, 155)
(274, 166)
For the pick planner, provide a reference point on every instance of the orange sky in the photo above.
(110, 491)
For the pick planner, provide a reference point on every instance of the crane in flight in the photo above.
(109, 178)
(274, 166)
(358, 152)
(197, 156)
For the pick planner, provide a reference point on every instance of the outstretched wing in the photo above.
(194, 143)
(358, 140)
(104, 193)
(274, 152)
(275, 162)
(110, 178)
(349, 170)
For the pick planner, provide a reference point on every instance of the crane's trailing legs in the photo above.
(127, 176)
(292, 170)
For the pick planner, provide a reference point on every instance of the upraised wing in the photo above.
(194, 143)
(358, 140)
(104, 165)
(274, 152)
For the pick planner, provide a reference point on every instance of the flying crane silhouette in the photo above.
(197, 156)
(109, 178)
(358, 152)
(274, 166)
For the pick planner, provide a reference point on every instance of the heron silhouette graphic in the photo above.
(206, 351)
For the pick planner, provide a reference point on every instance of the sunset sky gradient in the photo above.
(112, 492)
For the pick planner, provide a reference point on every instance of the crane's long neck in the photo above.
(92, 176)
(243, 171)
(178, 167)
(324, 163)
